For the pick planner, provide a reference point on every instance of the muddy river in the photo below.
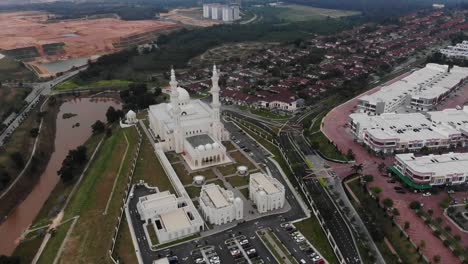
(68, 136)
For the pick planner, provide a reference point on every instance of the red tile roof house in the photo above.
(277, 98)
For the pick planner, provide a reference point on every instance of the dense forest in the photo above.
(177, 48)
(376, 8)
(127, 10)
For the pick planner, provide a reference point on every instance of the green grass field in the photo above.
(298, 13)
(13, 70)
(91, 237)
(237, 181)
(70, 84)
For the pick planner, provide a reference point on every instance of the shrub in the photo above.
(436, 233)
(447, 242)
(415, 205)
(368, 178)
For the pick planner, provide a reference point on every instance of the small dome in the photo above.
(201, 147)
(184, 96)
(208, 146)
(130, 114)
(238, 200)
(215, 145)
(242, 169)
(262, 193)
(199, 179)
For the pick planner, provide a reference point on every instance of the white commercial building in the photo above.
(266, 192)
(191, 128)
(420, 91)
(219, 205)
(392, 132)
(430, 170)
(226, 13)
(459, 51)
(172, 217)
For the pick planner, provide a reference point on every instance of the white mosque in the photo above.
(191, 127)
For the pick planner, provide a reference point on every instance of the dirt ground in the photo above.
(189, 16)
(82, 38)
(334, 128)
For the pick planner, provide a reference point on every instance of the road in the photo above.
(248, 229)
(39, 90)
(297, 151)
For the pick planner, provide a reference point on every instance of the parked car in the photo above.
(427, 194)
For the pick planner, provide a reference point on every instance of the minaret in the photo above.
(215, 94)
(178, 147)
(217, 127)
(174, 97)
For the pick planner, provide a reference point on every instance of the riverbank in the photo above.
(68, 135)
(22, 142)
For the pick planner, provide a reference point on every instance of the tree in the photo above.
(439, 220)
(448, 229)
(396, 212)
(436, 259)
(350, 154)
(381, 167)
(422, 244)
(430, 212)
(98, 127)
(376, 190)
(415, 205)
(387, 202)
(357, 168)
(9, 260)
(34, 132)
(17, 159)
(74, 160)
(113, 115)
(407, 225)
(368, 178)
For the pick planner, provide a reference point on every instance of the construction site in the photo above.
(31, 37)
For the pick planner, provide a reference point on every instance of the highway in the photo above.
(298, 151)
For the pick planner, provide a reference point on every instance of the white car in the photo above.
(427, 194)
(299, 239)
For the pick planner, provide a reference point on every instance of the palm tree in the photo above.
(436, 259)
(357, 168)
(407, 225)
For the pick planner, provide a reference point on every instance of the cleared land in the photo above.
(189, 16)
(82, 38)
